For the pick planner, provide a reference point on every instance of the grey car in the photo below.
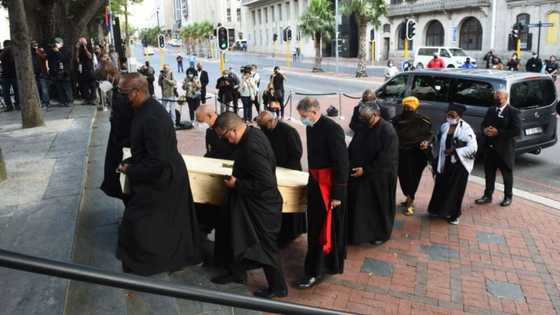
(533, 94)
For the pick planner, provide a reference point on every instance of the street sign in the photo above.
(541, 24)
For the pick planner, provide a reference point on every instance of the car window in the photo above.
(431, 88)
(458, 52)
(394, 88)
(534, 93)
(473, 93)
(444, 53)
(427, 51)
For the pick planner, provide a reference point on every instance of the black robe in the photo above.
(255, 204)
(119, 138)
(371, 197)
(288, 150)
(412, 129)
(159, 230)
(326, 148)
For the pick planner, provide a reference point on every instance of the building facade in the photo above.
(224, 12)
(474, 25)
(4, 26)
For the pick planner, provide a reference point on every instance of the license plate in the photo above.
(533, 131)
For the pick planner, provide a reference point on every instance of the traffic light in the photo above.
(161, 41)
(223, 40)
(274, 37)
(517, 27)
(410, 29)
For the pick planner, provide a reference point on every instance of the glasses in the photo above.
(223, 135)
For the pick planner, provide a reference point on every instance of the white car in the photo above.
(453, 57)
(148, 51)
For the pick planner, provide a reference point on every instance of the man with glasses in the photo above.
(159, 229)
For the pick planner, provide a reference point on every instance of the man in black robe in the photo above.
(288, 150)
(500, 126)
(415, 135)
(159, 230)
(216, 148)
(255, 207)
(372, 190)
(326, 197)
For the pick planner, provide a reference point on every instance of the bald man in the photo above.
(216, 148)
(254, 207)
(159, 230)
(288, 150)
(500, 126)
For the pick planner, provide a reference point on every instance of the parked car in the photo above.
(148, 51)
(174, 43)
(533, 94)
(240, 45)
(452, 56)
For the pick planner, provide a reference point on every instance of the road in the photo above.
(539, 174)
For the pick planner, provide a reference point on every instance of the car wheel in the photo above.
(419, 66)
(451, 66)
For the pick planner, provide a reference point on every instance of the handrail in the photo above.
(132, 282)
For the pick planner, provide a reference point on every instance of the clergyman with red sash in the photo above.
(326, 199)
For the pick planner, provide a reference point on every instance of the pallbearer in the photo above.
(415, 135)
(255, 207)
(328, 168)
(287, 148)
(371, 198)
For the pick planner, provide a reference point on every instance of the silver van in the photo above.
(533, 94)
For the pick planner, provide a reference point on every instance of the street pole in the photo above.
(335, 32)
(518, 47)
(539, 41)
(157, 17)
(405, 52)
(493, 26)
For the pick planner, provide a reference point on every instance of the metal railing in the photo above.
(88, 274)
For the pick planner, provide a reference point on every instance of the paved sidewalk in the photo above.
(497, 261)
(40, 200)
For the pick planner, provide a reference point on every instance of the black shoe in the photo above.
(307, 283)
(484, 200)
(267, 293)
(228, 278)
(506, 202)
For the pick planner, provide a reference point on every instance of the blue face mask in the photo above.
(307, 122)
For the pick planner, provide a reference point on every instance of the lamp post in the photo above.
(336, 20)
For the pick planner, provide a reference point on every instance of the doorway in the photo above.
(386, 48)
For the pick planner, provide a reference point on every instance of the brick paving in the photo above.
(497, 261)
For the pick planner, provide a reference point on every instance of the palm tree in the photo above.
(366, 12)
(318, 22)
(205, 30)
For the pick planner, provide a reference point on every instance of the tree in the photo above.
(31, 115)
(150, 35)
(318, 22)
(366, 12)
(3, 174)
(196, 34)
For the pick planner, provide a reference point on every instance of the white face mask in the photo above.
(201, 126)
(452, 121)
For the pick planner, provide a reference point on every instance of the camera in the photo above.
(246, 69)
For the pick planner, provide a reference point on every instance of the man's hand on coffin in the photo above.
(335, 203)
(230, 181)
(357, 172)
(123, 168)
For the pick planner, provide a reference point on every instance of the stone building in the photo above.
(224, 12)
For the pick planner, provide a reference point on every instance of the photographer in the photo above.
(168, 91)
(277, 78)
(86, 81)
(225, 85)
(148, 71)
(247, 90)
(59, 59)
(192, 86)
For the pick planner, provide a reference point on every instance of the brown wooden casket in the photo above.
(206, 177)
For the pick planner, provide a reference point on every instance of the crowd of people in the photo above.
(62, 73)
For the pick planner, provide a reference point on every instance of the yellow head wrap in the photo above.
(411, 102)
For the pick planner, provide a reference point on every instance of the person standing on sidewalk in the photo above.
(326, 194)
(150, 74)
(247, 91)
(225, 85)
(168, 91)
(534, 64)
(8, 76)
(159, 229)
(254, 207)
(204, 80)
(436, 62)
(39, 58)
(257, 79)
(59, 60)
(180, 63)
(191, 85)
(500, 126)
(278, 78)
(86, 80)
(455, 149)
(415, 136)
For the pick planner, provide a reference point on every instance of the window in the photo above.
(260, 17)
(238, 13)
(429, 88)
(524, 19)
(552, 33)
(534, 93)
(458, 52)
(273, 14)
(394, 88)
(280, 11)
(386, 28)
(265, 15)
(296, 8)
(444, 53)
(470, 36)
(434, 34)
(287, 11)
(253, 17)
(400, 33)
(228, 14)
(427, 51)
(474, 93)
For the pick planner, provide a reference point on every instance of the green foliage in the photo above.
(197, 30)
(117, 6)
(150, 35)
(369, 11)
(318, 18)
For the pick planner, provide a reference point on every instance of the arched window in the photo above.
(400, 35)
(524, 19)
(553, 33)
(434, 34)
(470, 36)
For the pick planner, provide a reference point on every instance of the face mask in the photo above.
(307, 122)
(190, 76)
(452, 121)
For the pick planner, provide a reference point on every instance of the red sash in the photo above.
(323, 176)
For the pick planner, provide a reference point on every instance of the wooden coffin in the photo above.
(206, 177)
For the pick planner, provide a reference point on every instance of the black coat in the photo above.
(508, 127)
(204, 78)
(225, 86)
(217, 148)
(534, 65)
(286, 144)
(119, 138)
(159, 230)
(255, 204)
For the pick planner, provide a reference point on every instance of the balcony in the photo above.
(419, 7)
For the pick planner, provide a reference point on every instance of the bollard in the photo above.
(291, 105)
(340, 106)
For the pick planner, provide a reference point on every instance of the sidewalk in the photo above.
(40, 201)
